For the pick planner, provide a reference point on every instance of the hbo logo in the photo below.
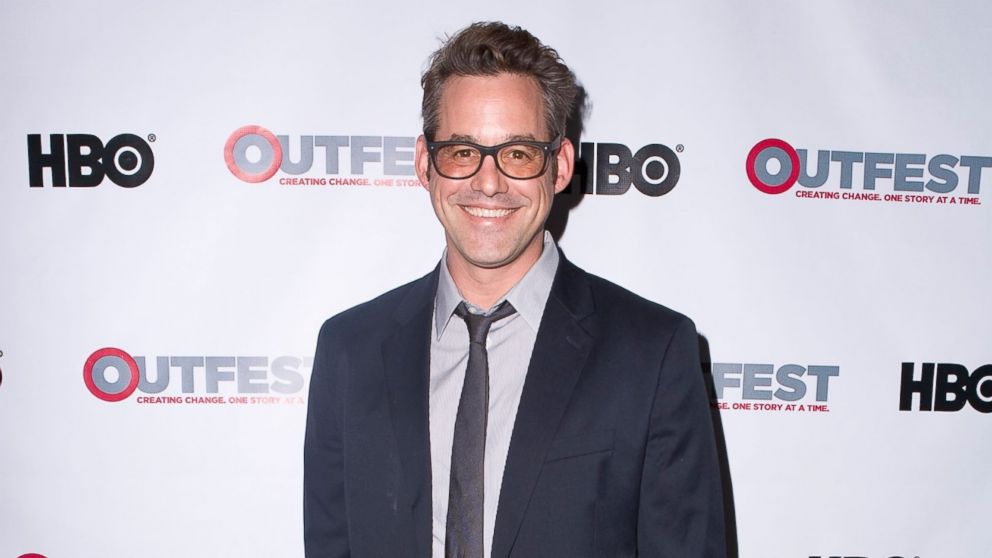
(83, 161)
(612, 168)
(946, 386)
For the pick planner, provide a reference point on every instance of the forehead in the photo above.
(491, 108)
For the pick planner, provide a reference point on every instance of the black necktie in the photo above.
(463, 538)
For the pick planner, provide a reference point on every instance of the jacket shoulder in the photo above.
(367, 318)
(619, 305)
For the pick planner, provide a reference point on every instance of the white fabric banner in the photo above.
(187, 190)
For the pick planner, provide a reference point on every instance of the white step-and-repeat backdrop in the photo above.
(188, 189)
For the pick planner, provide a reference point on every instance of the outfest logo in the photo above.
(774, 166)
(114, 375)
(254, 154)
(745, 386)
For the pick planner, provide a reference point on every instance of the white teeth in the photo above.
(483, 212)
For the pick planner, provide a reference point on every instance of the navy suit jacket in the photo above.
(612, 451)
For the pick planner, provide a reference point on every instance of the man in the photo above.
(508, 403)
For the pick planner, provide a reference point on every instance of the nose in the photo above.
(489, 180)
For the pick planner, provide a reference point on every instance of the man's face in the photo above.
(489, 219)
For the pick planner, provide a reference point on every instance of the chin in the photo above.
(488, 261)
(492, 251)
(489, 257)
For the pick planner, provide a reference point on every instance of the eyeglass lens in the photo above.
(515, 160)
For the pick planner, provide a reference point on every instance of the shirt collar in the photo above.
(528, 296)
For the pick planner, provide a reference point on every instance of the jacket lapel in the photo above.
(560, 352)
(406, 360)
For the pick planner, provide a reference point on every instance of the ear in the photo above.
(422, 162)
(566, 163)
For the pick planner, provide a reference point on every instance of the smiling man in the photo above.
(508, 403)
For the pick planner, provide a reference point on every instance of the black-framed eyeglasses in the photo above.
(520, 160)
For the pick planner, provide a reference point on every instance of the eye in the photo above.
(459, 154)
(520, 154)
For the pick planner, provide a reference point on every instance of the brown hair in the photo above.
(491, 48)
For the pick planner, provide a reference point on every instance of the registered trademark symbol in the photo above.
(680, 148)
(152, 138)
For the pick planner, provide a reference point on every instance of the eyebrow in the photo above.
(472, 139)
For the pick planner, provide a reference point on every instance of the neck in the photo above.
(483, 286)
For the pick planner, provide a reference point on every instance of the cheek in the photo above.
(547, 193)
(435, 195)
(440, 196)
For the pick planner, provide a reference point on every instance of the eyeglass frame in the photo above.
(549, 148)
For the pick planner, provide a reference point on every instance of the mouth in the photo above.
(485, 212)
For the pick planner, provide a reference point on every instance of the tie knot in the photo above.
(478, 324)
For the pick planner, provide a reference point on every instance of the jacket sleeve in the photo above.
(681, 506)
(325, 510)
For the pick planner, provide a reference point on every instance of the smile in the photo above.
(487, 213)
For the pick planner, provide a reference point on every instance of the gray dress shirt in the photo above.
(509, 344)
